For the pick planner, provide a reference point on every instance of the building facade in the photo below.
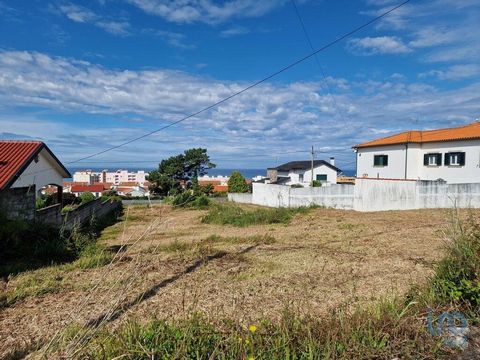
(300, 173)
(452, 155)
(114, 177)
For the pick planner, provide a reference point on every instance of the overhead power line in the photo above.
(249, 87)
(322, 72)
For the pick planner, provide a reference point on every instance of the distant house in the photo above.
(451, 154)
(97, 189)
(30, 164)
(300, 173)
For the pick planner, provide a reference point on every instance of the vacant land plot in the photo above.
(169, 264)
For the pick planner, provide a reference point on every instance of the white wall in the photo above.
(41, 173)
(469, 173)
(380, 195)
(243, 198)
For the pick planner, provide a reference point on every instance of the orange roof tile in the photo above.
(467, 132)
(86, 188)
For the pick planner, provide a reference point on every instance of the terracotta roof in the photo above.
(220, 188)
(467, 132)
(128, 183)
(15, 156)
(87, 188)
(106, 185)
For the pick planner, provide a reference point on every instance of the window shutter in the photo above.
(439, 159)
(425, 159)
(385, 160)
(461, 158)
(447, 159)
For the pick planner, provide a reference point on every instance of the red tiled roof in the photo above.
(14, 158)
(87, 188)
(220, 188)
(467, 132)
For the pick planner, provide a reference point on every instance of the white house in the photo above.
(114, 177)
(451, 154)
(300, 173)
(28, 164)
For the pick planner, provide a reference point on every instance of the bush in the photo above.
(228, 214)
(190, 199)
(237, 183)
(457, 276)
(87, 197)
(316, 183)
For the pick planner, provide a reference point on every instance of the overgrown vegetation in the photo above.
(26, 246)
(390, 329)
(230, 214)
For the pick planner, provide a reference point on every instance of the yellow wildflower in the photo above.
(252, 328)
(247, 341)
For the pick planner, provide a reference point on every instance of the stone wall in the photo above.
(18, 203)
(78, 217)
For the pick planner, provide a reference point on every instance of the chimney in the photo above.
(332, 161)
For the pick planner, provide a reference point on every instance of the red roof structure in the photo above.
(87, 188)
(15, 156)
(467, 132)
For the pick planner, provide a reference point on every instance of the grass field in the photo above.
(172, 264)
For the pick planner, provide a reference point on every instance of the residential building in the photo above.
(451, 154)
(300, 173)
(30, 164)
(97, 189)
(114, 177)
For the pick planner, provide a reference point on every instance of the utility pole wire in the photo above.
(322, 72)
(274, 74)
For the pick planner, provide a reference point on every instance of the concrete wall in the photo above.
(335, 196)
(368, 195)
(18, 203)
(379, 195)
(244, 198)
(271, 195)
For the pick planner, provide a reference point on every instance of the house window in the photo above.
(300, 177)
(380, 160)
(432, 159)
(455, 159)
(321, 177)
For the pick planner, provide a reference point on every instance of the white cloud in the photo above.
(378, 45)
(454, 72)
(174, 39)
(81, 14)
(271, 116)
(234, 31)
(206, 11)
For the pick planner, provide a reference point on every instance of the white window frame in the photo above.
(432, 159)
(454, 159)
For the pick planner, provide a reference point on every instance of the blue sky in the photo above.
(86, 75)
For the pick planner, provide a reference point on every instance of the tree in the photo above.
(237, 183)
(184, 167)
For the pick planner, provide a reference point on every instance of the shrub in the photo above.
(87, 197)
(229, 214)
(316, 183)
(237, 183)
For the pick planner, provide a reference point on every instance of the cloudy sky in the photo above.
(84, 76)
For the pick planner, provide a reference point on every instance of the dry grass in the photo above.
(322, 260)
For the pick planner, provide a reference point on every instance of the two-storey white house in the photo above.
(451, 154)
(300, 173)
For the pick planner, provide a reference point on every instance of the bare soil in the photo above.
(320, 261)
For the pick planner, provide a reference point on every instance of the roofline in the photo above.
(28, 162)
(360, 146)
(322, 162)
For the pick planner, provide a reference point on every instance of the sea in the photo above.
(247, 173)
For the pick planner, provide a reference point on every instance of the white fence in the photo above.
(367, 195)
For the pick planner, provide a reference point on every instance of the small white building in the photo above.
(451, 154)
(28, 163)
(300, 173)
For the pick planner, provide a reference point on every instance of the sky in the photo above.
(84, 76)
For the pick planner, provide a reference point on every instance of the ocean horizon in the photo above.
(247, 173)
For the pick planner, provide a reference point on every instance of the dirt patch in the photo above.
(321, 260)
